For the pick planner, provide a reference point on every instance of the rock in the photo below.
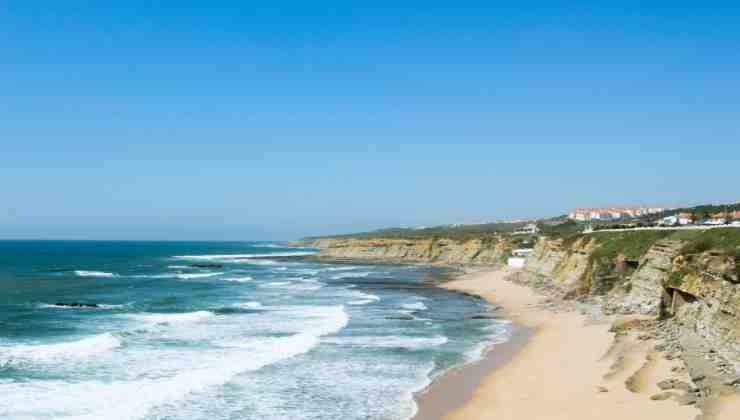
(687, 399)
(482, 317)
(673, 384)
(602, 389)
(662, 396)
(732, 381)
(77, 305)
(698, 377)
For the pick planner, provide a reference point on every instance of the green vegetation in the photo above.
(484, 231)
(698, 241)
(632, 244)
(562, 229)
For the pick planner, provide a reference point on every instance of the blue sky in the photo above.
(273, 120)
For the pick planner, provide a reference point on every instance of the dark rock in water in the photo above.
(402, 317)
(207, 265)
(77, 305)
(483, 316)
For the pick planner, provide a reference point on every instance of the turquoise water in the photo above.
(196, 330)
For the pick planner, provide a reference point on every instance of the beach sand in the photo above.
(569, 367)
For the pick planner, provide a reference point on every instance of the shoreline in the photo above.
(454, 387)
(591, 375)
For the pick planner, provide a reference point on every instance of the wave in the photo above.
(196, 275)
(307, 271)
(351, 275)
(391, 341)
(145, 395)
(276, 284)
(239, 279)
(173, 318)
(99, 306)
(416, 306)
(342, 268)
(236, 257)
(303, 286)
(249, 305)
(364, 299)
(85, 273)
(46, 353)
(500, 333)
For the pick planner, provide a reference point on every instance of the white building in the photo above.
(611, 213)
(530, 229)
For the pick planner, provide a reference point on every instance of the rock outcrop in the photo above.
(433, 251)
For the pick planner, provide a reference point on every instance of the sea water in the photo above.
(216, 330)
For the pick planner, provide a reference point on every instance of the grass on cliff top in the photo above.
(722, 239)
(460, 232)
(632, 244)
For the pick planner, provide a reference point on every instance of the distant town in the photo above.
(670, 217)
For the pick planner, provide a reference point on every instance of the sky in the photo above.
(238, 120)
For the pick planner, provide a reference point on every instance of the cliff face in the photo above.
(701, 292)
(563, 266)
(436, 251)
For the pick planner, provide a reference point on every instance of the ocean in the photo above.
(223, 330)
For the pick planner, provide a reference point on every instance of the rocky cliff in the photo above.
(700, 291)
(433, 251)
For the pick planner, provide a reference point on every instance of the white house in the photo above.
(516, 262)
(522, 252)
(530, 229)
(684, 219)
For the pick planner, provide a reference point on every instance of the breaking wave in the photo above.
(85, 273)
(47, 353)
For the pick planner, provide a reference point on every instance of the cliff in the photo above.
(689, 279)
(433, 251)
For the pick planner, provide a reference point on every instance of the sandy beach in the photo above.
(569, 367)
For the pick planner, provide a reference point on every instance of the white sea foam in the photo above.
(390, 341)
(416, 306)
(143, 396)
(238, 279)
(100, 306)
(303, 286)
(500, 333)
(275, 284)
(351, 275)
(342, 268)
(46, 353)
(232, 257)
(306, 271)
(178, 267)
(249, 305)
(85, 273)
(186, 276)
(173, 318)
(363, 299)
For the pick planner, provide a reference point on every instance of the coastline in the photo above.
(569, 366)
(453, 388)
